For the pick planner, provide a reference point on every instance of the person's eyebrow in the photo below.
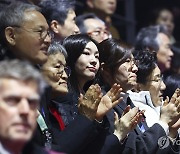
(87, 48)
(158, 75)
(96, 52)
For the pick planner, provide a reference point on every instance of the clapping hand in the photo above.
(170, 111)
(88, 103)
(128, 121)
(174, 125)
(108, 101)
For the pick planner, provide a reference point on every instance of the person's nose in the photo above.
(105, 36)
(93, 60)
(163, 86)
(76, 29)
(134, 68)
(24, 106)
(48, 39)
(171, 53)
(64, 75)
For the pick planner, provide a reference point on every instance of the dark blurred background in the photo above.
(131, 15)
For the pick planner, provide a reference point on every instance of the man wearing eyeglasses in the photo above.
(24, 33)
(93, 26)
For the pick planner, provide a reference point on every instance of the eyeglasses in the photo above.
(132, 61)
(42, 33)
(158, 79)
(63, 68)
(99, 32)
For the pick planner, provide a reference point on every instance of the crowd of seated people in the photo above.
(68, 86)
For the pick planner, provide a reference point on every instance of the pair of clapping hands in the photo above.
(170, 113)
(94, 106)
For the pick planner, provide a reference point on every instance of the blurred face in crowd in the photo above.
(87, 64)
(54, 73)
(125, 74)
(69, 27)
(164, 54)
(155, 86)
(19, 101)
(106, 6)
(96, 29)
(166, 18)
(31, 39)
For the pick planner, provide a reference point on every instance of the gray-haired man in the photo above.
(20, 88)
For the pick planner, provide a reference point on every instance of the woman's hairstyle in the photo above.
(113, 52)
(56, 47)
(75, 45)
(172, 82)
(146, 64)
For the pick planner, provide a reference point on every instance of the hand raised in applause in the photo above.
(88, 103)
(128, 121)
(173, 128)
(170, 111)
(108, 101)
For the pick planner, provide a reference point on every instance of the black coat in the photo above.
(79, 131)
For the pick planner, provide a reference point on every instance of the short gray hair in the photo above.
(13, 15)
(147, 37)
(56, 47)
(21, 70)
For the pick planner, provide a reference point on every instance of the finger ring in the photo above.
(110, 97)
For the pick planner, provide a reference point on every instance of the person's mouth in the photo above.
(92, 69)
(45, 50)
(63, 83)
(22, 126)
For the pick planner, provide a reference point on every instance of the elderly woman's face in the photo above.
(54, 73)
(125, 74)
(155, 86)
(87, 64)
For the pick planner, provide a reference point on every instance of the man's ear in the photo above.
(90, 4)
(55, 26)
(10, 35)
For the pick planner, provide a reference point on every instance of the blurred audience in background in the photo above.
(104, 9)
(60, 16)
(155, 38)
(91, 25)
(164, 16)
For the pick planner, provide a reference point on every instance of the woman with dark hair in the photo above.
(150, 86)
(83, 59)
(54, 126)
(118, 66)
